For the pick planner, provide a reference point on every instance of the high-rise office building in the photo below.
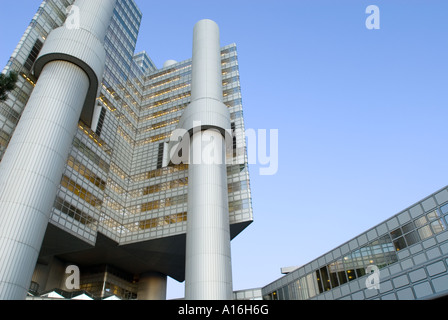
(99, 152)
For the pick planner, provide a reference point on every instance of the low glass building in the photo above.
(403, 258)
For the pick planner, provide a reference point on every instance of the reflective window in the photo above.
(400, 243)
(425, 232)
(412, 238)
(380, 252)
(396, 233)
(444, 209)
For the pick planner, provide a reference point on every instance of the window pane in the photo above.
(444, 209)
(311, 281)
(396, 233)
(424, 232)
(342, 277)
(421, 222)
(399, 244)
(319, 281)
(412, 238)
(325, 278)
(333, 271)
(408, 227)
(351, 274)
(437, 226)
(360, 272)
(432, 215)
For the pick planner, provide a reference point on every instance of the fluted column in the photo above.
(208, 273)
(70, 68)
(152, 286)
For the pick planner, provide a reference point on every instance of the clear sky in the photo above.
(362, 114)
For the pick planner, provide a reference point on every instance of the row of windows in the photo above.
(381, 252)
(418, 230)
(157, 222)
(104, 289)
(20, 94)
(231, 170)
(163, 82)
(132, 11)
(75, 213)
(122, 133)
(239, 205)
(119, 36)
(154, 138)
(166, 186)
(164, 112)
(86, 173)
(163, 73)
(159, 172)
(128, 23)
(50, 18)
(114, 206)
(238, 186)
(161, 113)
(163, 203)
(158, 125)
(154, 104)
(91, 155)
(166, 101)
(114, 186)
(4, 139)
(183, 182)
(81, 192)
(94, 137)
(117, 170)
(85, 219)
(169, 89)
(26, 54)
(33, 54)
(182, 199)
(9, 113)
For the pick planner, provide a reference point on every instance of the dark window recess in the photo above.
(180, 153)
(33, 55)
(160, 156)
(99, 127)
(233, 127)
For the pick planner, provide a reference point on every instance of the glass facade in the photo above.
(414, 242)
(50, 15)
(114, 182)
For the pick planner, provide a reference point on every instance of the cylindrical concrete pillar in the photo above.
(93, 16)
(49, 276)
(152, 286)
(208, 272)
(207, 71)
(208, 256)
(31, 171)
(32, 166)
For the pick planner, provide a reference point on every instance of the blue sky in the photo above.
(362, 114)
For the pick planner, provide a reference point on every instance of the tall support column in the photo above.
(152, 286)
(70, 68)
(208, 273)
